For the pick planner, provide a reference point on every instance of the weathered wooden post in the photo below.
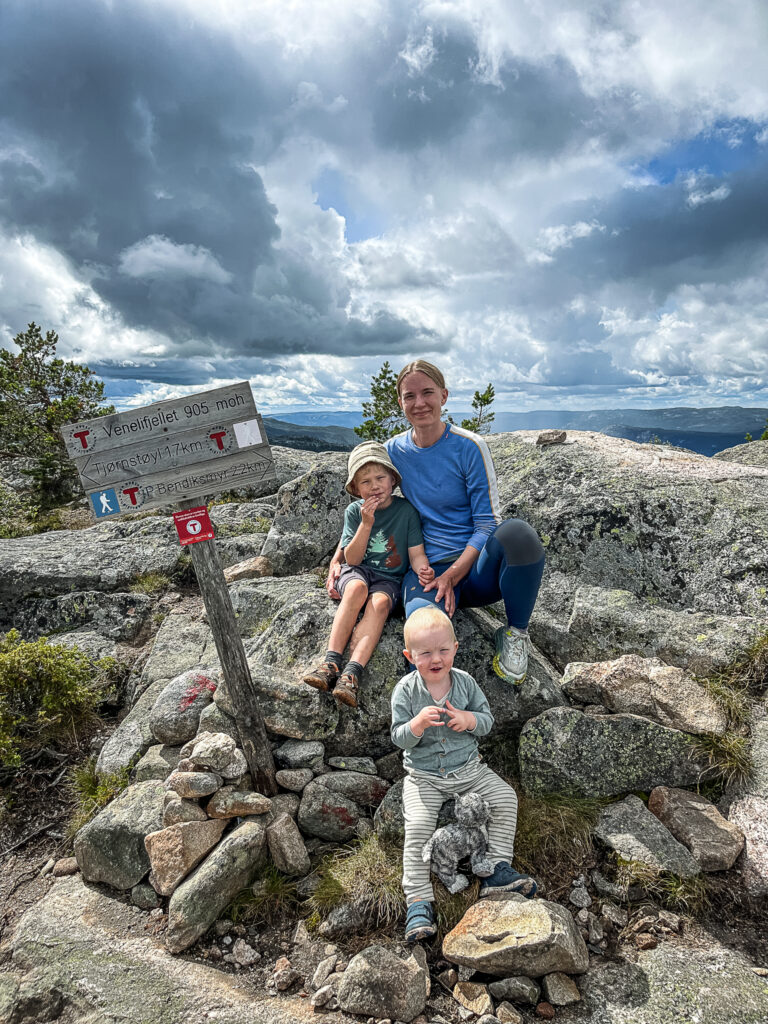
(173, 452)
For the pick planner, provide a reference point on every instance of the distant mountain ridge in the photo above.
(705, 431)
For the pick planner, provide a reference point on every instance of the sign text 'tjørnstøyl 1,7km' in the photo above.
(170, 451)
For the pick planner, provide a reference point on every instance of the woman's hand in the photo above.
(445, 592)
(459, 721)
(334, 571)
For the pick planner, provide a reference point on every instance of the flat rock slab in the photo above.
(647, 687)
(175, 850)
(750, 815)
(629, 828)
(110, 965)
(707, 983)
(565, 751)
(699, 826)
(515, 936)
(110, 848)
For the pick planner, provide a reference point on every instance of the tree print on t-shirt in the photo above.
(379, 545)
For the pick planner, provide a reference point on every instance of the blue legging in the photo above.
(510, 566)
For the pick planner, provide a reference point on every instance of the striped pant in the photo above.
(423, 796)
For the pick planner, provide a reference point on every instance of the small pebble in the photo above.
(761, 972)
(546, 1011)
(47, 868)
(65, 866)
(579, 897)
(644, 940)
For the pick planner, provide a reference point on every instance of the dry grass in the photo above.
(554, 836)
(367, 874)
(270, 899)
(91, 791)
(684, 895)
(729, 758)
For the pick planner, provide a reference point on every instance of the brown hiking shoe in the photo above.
(345, 691)
(323, 677)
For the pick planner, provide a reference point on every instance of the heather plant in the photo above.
(47, 693)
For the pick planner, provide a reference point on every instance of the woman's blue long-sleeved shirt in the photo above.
(452, 485)
(440, 750)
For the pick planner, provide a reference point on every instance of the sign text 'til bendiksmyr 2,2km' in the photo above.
(171, 451)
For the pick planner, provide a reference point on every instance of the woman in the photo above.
(448, 475)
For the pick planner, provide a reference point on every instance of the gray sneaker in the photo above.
(511, 659)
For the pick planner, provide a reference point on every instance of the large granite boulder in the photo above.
(647, 687)
(175, 715)
(629, 828)
(749, 814)
(576, 622)
(685, 530)
(117, 616)
(515, 936)
(753, 453)
(309, 517)
(566, 751)
(110, 848)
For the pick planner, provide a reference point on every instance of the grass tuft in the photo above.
(271, 898)
(367, 874)
(151, 583)
(729, 757)
(684, 895)
(91, 792)
(554, 835)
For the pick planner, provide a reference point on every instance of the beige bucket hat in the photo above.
(368, 451)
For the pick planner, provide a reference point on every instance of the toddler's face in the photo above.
(432, 652)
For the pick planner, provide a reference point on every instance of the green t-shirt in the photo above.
(395, 529)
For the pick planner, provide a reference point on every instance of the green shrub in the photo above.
(684, 895)
(151, 583)
(46, 692)
(91, 791)
(18, 513)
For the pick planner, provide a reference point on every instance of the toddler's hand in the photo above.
(368, 510)
(459, 721)
(426, 574)
(426, 718)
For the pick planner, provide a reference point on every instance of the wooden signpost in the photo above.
(177, 451)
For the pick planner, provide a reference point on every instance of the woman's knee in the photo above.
(519, 541)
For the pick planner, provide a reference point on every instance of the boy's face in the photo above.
(374, 481)
(432, 652)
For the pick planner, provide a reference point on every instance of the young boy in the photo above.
(437, 713)
(381, 537)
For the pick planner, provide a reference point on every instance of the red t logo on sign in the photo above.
(81, 436)
(218, 436)
(193, 525)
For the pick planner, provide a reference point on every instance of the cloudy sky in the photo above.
(566, 199)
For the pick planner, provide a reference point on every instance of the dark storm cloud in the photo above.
(127, 128)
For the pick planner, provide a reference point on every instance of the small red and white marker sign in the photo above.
(193, 525)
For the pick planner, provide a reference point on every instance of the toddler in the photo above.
(381, 539)
(438, 711)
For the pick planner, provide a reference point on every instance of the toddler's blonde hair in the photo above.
(429, 617)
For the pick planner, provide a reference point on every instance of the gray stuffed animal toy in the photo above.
(468, 837)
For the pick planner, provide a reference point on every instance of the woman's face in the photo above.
(421, 399)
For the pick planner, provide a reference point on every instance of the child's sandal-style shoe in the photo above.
(345, 691)
(419, 921)
(323, 677)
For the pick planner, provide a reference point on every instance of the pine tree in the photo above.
(383, 416)
(481, 422)
(38, 394)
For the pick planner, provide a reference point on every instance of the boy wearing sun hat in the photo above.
(381, 539)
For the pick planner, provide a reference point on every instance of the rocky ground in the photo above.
(656, 583)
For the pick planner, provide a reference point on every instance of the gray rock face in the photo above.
(175, 714)
(213, 719)
(212, 751)
(663, 979)
(309, 517)
(294, 779)
(753, 453)
(300, 754)
(629, 828)
(193, 785)
(566, 751)
(366, 790)
(576, 622)
(113, 616)
(647, 687)
(699, 826)
(683, 529)
(158, 763)
(345, 919)
(559, 989)
(517, 936)
(105, 557)
(110, 848)
(377, 982)
(366, 765)
(176, 809)
(201, 897)
(328, 814)
(517, 989)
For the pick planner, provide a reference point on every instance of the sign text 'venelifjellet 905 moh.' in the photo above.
(170, 451)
